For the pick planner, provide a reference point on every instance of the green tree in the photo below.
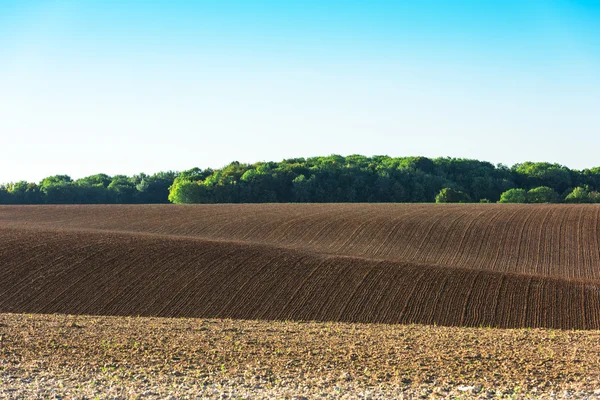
(122, 189)
(542, 194)
(23, 192)
(152, 189)
(58, 189)
(93, 189)
(594, 197)
(514, 196)
(579, 195)
(95, 180)
(449, 195)
(529, 175)
(4, 195)
(187, 192)
(302, 188)
(333, 178)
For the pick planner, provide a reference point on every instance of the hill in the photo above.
(465, 265)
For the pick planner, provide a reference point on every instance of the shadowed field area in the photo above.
(465, 265)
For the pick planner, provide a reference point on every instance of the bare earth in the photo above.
(506, 266)
(233, 276)
(58, 356)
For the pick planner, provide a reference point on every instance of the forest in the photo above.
(329, 179)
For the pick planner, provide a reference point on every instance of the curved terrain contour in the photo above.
(465, 265)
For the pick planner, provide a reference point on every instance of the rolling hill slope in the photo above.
(466, 265)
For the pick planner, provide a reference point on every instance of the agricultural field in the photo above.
(300, 300)
(166, 358)
(506, 266)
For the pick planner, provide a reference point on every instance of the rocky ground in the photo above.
(58, 356)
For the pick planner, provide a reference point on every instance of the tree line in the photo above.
(358, 178)
(333, 178)
(94, 189)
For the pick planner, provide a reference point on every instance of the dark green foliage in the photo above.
(24, 193)
(542, 194)
(153, 188)
(334, 178)
(122, 189)
(529, 175)
(100, 180)
(449, 195)
(95, 189)
(4, 195)
(59, 189)
(594, 197)
(358, 178)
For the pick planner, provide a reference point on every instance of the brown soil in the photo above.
(43, 356)
(466, 265)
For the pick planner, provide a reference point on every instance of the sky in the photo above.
(122, 87)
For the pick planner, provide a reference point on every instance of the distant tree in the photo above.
(95, 180)
(93, 189)
(423, 163)
(484, 201)
(187, 192)
(302, 188)
(122, 189)
(23, 192)
(449, 195)
(333, 178)
(587, 177)
(4, 195)
(155, 188)
(529, 175)
(514, 196)
(579, 195)
(59, 189)
(188, 187)
(542, 194)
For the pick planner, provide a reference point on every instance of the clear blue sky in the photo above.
(129, 86)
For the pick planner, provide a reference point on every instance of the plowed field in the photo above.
(99, 357)
(465, 265)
